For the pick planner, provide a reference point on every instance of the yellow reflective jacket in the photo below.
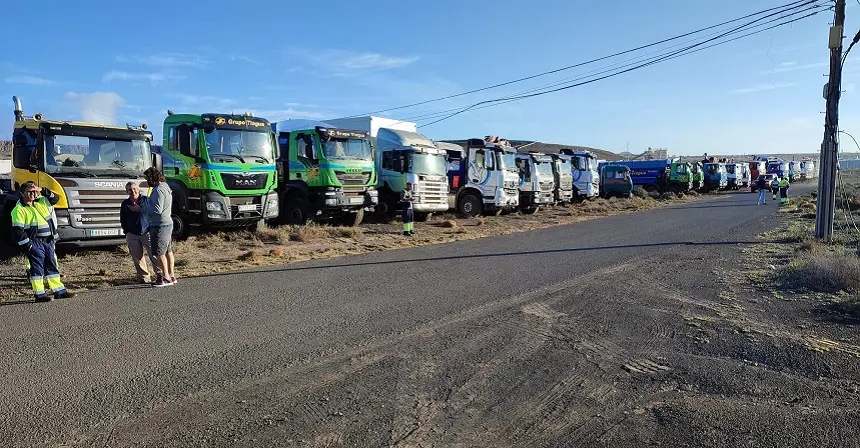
(31, 221)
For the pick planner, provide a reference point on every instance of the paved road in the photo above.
(573, 334)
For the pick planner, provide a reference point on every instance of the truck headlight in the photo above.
(214, 206)
(331, 201)
(62, 220)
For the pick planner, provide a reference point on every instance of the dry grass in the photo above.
(823, 269)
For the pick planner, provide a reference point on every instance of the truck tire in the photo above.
(530, 210)
(296, 211)
(181, 224)
(469, 206)
(385, 210)
(422, 216)
(353, 219)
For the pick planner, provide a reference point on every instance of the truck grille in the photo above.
(434, 191)
(352, 179)
(244, 181)
(235, 202)
(546, 186)
(90, 207)
(510, 185)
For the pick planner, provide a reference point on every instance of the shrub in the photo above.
(819, 269)
(248, 256)
(640, 193)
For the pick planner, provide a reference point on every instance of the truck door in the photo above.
(480, 161)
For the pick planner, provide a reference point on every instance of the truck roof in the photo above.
(371, 124)
(32, 122)
(299, 125)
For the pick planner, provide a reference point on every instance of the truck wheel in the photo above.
(296, 211)
(470, 206)
(385, 210)
(181, 226)
(353, 219)
(423, 217)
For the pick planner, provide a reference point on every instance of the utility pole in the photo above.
(829, 147)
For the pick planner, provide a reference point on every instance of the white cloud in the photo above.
(763, 87)
(33, 80)
(348, 63)
(152, 78)
(240, 58)
(165, 60)
(97, 107)
(792, 66)
(788, 64)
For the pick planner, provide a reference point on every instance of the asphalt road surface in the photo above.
(571, 336)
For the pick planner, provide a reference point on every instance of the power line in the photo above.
(515, 97)
(658, 59)
(798, 3)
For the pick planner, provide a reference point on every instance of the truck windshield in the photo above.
(353, 148)
(730, 169)
(586, 163)
(92, 157)
(508, 162)
(241, 145)
(428, 164)
(564, 167)
(543, 169)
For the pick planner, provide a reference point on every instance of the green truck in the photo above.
(325, 173)
(221, 168)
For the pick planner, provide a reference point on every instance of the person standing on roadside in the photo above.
(35, 234)
(408, 215)
(157, 208)
(783, 190)
(762, 186)
(774, 186)
(136, 228)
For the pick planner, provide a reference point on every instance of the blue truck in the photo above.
(716, 177)
(660, 175)
(777, 166)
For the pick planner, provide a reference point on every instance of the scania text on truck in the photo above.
(562, 170)
(482, 178)
(586, 179)
(404, 156)
(87, 165)
(325, 173)
(537, 183)
(615, 180)
(221, 168)
(659, 175)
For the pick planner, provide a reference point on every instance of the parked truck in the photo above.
(586, 179)
(86, 164)
(697, 175)
(659, 175)
(562, 170)
(756, 167)
(537, 182)
(737, 175)
(326, 173)
(807, 169)
(615, 180)
(793, 170)
(716, 177)
(221, 168)
(482, 177)
(777, 166)
(402, 156)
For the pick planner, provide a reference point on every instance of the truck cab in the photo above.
(660, 175)
(87, 165)
(755, 168)
(482, 177)
(325, 173)
(793, 171)
(562, 170)
(615, 181)
(697, 175)
(716, 177)
(777, 166)
(408, 157)
(807, 169)
(537, 183)
(221, 168)
(586, 179)
(733, 174)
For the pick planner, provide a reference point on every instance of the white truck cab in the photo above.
(482, 177)
(537, 181)
(586, 179)
(562, 168)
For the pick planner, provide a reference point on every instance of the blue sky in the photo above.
(103, 61)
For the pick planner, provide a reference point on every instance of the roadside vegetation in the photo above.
(227, 251)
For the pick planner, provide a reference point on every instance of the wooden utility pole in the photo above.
(830, 147)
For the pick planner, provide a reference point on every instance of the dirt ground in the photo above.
(220, 252)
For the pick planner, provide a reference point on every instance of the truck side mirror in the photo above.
(157, 161)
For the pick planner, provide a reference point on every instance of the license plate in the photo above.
(247, 207)
(358, 200)
(104, 232)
